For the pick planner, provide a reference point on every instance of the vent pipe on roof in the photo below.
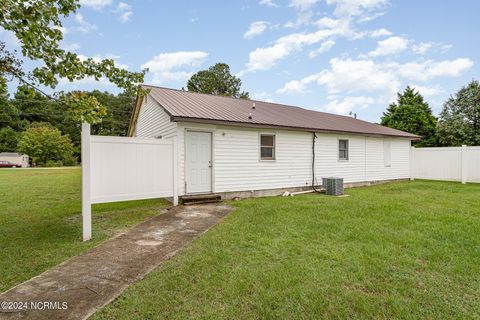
(253, 106)
(250, 116)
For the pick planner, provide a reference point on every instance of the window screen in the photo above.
(343, 149)
(267, 147)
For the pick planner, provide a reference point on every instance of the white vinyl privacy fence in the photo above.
(124, 168)
(446, 163)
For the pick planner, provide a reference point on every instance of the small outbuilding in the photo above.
(19, 159)
(240, 147)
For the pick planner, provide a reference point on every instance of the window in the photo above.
(267, 147)
(387, 153)
(343, 149)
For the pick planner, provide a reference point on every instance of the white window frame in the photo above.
(274, 148)
(348, 149)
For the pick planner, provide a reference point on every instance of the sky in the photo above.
(337, 56)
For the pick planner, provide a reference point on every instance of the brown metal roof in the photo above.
(205, 108)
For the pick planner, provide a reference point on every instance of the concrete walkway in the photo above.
(78, 287)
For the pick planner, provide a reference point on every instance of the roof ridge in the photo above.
(253, 100)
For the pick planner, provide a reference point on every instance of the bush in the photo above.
(46, 146)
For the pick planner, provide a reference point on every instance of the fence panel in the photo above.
(130, 168)
(473, 164)
(446, 163)
(124, 168)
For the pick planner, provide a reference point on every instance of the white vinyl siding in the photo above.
(153, 121)
(387, 152)
(236, 165)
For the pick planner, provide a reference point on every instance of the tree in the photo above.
(9, 114)
(8, 139)
(460, 118)
(412, 114)
(217, 80)
(119, 111)
(46, 146)
(38, 27)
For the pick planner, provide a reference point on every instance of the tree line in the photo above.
(47, 130)
(457, 124)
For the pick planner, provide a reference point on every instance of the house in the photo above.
(19, 159)
(238, 147)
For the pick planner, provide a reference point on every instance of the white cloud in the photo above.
(265, 58)
(422, 47)
(357, 75)
(124, 10)
(95, 4)
(445, 47)
(124, 17)
(428, 91)
(268, 3)
(348, 76)
(298, 86)
(380, 33)
(82, 25)
(122, 6)
(348, 104)
(256, 28)
(302, 4)
(356, 7)
(324, 47)
(165, 66)
(392, 45)
(304, 17)
(429, 69)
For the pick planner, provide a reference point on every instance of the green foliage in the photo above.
(37, 26)
(46, 146)
(29, 107)
(412, 114)
(217, 80)
(85, 108)
(8, 139)
(460, 118)
(119, 112)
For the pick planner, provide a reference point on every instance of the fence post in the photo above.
(175, 171)
(412, 163)
(464, 168)
(86, 184)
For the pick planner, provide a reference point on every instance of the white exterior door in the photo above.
(198, 162)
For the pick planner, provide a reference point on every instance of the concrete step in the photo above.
(200, 198)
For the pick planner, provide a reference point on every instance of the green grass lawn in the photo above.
(403, 250)
(41, 224)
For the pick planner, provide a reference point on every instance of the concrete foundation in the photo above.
(280, 191)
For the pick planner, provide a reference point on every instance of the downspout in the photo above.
(313, 163)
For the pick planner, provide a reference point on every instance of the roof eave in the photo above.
(268, 126)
